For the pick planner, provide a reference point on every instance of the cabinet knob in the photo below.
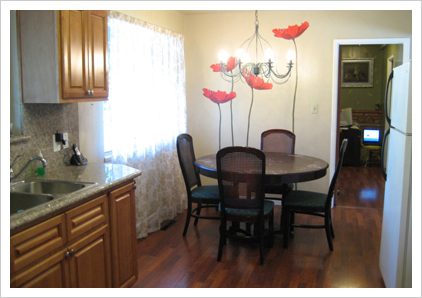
(90, 92)
(69, 253)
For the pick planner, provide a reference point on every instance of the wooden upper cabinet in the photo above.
(63, 56)
(84, 54)
(97, 53)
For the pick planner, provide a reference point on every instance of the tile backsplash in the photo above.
(41, 121)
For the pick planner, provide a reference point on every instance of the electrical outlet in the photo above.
(56, 145)
(66, 139)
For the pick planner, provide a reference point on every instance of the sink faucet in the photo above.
(36, 157)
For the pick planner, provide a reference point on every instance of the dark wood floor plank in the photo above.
(167, 260)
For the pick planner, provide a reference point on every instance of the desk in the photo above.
(280, 167)
(372, 155)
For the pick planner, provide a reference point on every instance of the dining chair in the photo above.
(241, 175)
(312, 203)
(282, 141)
(278, 140)
(204, 196)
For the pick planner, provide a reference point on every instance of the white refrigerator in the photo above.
(396, 235)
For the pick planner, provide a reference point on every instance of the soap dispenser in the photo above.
(40, 170)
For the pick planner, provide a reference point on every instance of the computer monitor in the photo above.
(372, 136)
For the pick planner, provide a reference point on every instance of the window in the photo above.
(147, 102)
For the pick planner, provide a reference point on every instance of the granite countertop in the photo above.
(104, 177)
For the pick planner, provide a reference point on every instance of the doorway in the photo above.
(336, 81)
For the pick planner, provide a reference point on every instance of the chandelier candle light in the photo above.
(257, 75)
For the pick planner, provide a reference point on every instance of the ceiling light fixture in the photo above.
(258, 47)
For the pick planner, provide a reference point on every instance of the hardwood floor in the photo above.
(166, 259)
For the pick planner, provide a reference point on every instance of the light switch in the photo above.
(56, 145)
(315, 109)
(66, 139)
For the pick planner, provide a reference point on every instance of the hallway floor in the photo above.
(167, 260)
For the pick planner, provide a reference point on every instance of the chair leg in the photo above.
(331, 228)
(222, 241)
(198, 213)
(285, 226)
(271, 228)
(188, 215)
(291, 223)
(248, 228)
(328, 232)
(261, 241)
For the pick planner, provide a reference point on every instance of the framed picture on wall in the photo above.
(357, 72)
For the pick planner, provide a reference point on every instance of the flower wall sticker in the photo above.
(228, 68)
(257, 83)
(219, 97)
(291, 33)
(255, 67)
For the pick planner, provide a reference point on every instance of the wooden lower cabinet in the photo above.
(91, 245)
(89, 264)
(123, 236)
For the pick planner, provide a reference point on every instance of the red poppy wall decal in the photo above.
(219, 97)
(229, 66)
(291, 33)
(231, 63)
(216, 67)
(256, 68)
(256, 82)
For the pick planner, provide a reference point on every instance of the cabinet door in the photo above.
(89, 261)
(74, 54)
(48, 273)
(97, 53)
(123, 236)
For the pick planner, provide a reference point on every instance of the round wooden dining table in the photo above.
(280, 167)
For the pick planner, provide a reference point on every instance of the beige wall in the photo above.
(207, 33)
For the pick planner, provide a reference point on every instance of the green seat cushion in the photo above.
(268, 207)
(206, 192)
(299, 199)
(278, 188)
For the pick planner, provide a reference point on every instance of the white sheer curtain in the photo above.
(145, 113)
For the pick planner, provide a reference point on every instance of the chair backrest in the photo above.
(241, 174)
(336, 172)
(186, 157)
(278, 140)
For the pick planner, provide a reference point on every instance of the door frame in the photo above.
(406, 43)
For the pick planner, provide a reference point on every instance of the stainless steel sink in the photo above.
(53, 187)
(22, 201)
(27, 194)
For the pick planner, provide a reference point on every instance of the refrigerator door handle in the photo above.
(383, 161)
(387, 88)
